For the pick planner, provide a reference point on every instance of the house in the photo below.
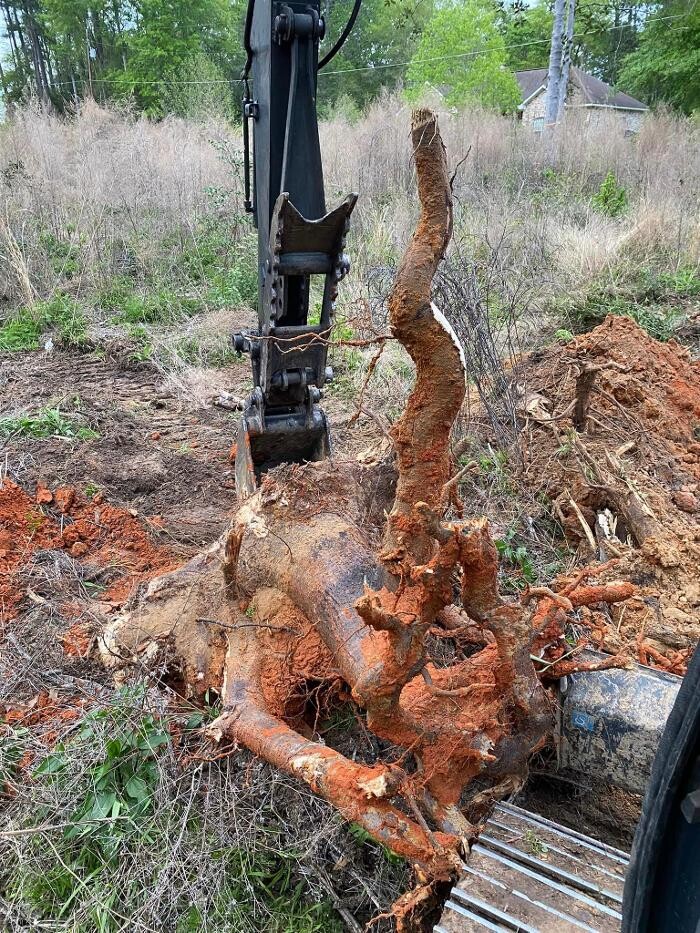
(586, 94)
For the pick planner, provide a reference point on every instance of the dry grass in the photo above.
(111, 186)
(516, 190)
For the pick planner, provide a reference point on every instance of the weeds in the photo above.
(535, 844)
(48, 422)
(123, 829)
(61, 314)
(654, 299)
(142, 344)
(611, 198)
(516, 555)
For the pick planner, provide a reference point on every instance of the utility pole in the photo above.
(555, 61)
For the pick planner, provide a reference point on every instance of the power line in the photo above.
(419, 61)
(499, 48)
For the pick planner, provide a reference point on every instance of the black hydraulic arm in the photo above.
(297, 239)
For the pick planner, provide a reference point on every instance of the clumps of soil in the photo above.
(107, 545)
(611, 448)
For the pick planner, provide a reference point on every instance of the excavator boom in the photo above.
(299, 243)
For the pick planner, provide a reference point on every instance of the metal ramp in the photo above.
(529, 874)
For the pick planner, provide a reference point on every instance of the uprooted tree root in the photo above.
(308, 593)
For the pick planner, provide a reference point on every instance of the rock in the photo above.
(673, 614)
(43, 495)
(70, 536)
(64, 497)
(685, 501)
(79, 549)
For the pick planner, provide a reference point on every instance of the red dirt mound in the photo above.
(90, 531)
(612, 443)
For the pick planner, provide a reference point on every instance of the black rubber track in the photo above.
(662, 890)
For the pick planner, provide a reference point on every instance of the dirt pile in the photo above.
(111, 542)
(611, 447)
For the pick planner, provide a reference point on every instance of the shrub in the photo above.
(611, 198)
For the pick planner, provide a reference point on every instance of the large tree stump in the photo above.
(310, 585)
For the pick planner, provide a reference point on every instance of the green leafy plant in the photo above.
(360, 834)
(535, 844)
(127, 818)
(611, 198)
(63, 254)
(659, 321)
(516, 555)
(562, 335)
(143, 346)
(13, 744)
(48, 422)
(24, 329)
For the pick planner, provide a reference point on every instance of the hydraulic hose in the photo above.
(342, 37)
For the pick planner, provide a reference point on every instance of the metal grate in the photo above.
(529, 874)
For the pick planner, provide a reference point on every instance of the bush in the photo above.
(611, 198)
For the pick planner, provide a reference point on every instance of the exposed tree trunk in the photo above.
(37, 56)
(555, 64)
(566, 58)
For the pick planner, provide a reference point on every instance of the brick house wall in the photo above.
(533, 112)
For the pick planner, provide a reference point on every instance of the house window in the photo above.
(538, 124)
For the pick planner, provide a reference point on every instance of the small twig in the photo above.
(458, 476)
(548, 664)
(458, 166)
(49, 827)
(584, 524)
(237, 625)
(365, 382)
(350, 922)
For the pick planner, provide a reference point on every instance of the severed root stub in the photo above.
(310, 585)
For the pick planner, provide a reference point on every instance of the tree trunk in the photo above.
(566, 59)
(555, 64)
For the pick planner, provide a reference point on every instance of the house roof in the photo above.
(531, 81)
(596, 92)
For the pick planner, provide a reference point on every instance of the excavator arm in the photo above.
(299, 243)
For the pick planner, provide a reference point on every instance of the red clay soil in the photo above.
(637, 460)
(92, 532)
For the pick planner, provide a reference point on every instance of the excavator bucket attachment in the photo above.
(282, 421)
(286, 438)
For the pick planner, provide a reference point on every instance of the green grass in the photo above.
(162, 306)
(211, 269)
(63, 254)
(653, 298)
(47, 422)
(62, 315)
(200, 352)
(131, 837)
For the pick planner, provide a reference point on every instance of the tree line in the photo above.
(185, 56)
